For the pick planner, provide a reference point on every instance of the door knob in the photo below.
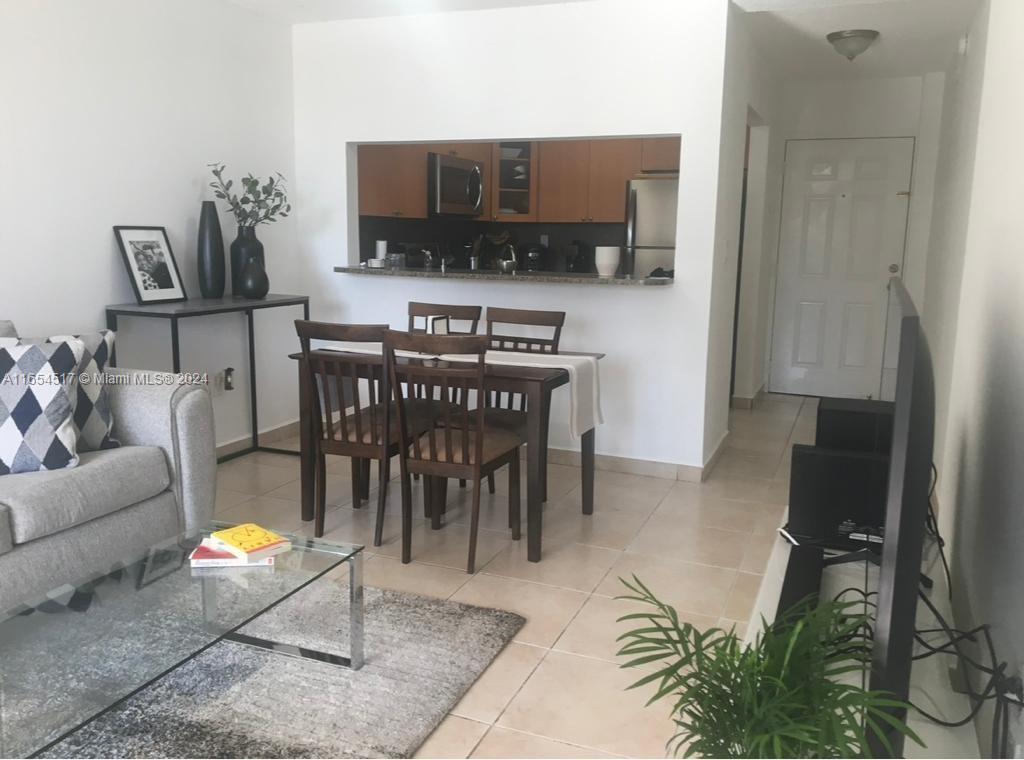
(894, 268)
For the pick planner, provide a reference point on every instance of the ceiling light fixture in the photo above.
(850, 43)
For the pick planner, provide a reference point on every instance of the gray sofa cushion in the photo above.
(42, 503)
(35, 568)
(6, 543)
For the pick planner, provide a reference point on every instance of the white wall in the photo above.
(110, 111)
(949, 234)
(974, 318)
(602, 68)
(749, 84)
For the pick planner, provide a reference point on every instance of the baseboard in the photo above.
(645, 467)
(742, 402)
(281, 433)
(607, 462)
(267, 438)
(611, 463)
(700, 474)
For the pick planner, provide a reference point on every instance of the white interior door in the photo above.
(844, 222)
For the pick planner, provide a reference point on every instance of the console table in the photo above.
(202, 307)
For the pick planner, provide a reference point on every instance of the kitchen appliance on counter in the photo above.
(423, 255)
(455, 185)
(536, 258)
(578, 258)
(652, 204)
(495, 248)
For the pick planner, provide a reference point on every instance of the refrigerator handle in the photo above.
(631, 217)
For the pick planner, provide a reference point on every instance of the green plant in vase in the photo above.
(262, 201)
(796, 691)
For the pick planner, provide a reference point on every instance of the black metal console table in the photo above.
(202, 307)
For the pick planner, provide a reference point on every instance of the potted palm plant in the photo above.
(796, 691)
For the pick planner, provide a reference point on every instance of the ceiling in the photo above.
(917, 36)
(300, 11)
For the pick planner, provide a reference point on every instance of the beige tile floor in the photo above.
(557, 690)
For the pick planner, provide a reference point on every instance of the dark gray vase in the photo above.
(210, 253)
(245, 247)
(254, 282)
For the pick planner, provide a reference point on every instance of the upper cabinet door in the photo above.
(613, 163)
(564, 181)
(660, 154)
(514, 172)
(393, 181)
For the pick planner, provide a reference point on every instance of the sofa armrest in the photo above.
(178, 419)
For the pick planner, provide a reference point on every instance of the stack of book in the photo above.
(246, 545)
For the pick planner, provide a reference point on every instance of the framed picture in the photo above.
(150, 264)
(163, 559)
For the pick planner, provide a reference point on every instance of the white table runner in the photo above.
(584, 376)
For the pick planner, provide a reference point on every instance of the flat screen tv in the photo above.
(906, 504)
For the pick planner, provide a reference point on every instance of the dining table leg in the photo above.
(307, 465)
(534, 455)
(587, 468)
(545, 425)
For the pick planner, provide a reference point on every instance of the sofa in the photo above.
(62, 526)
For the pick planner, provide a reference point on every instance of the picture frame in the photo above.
(152, 268)
(163, 559)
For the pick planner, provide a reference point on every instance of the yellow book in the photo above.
(251, 542)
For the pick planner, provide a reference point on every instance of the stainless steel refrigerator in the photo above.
(651, 223)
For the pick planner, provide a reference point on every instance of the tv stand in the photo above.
(866, 555)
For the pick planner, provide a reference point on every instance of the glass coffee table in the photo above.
(87, 646)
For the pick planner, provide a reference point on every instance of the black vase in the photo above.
(210, 252)
(254, 282)
(244, 247)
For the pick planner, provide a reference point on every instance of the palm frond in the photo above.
(775, 697)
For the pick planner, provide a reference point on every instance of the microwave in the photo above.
(455, 187)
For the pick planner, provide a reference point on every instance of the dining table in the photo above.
(536, 384)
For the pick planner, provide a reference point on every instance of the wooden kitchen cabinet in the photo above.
(393, 180)
(613, 163)
(475, 151)
(585, 180)
(564, 180)
(660, 154)
(514, 172)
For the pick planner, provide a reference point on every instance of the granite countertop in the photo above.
(573, 278)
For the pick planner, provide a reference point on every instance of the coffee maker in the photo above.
(536, 258)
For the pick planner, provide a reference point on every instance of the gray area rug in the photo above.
(422, 655)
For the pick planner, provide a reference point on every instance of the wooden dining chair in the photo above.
(454, 312)
(349, 412)
(461, 313)
(508, 411)
(459, 445)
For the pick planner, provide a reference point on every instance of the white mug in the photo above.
(382, 249)
(606, 259)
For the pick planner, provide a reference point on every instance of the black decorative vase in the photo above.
(210, 252)
(244, 248)
(254, 281)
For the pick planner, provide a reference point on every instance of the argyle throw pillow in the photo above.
(93, 418)
(37, 384)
